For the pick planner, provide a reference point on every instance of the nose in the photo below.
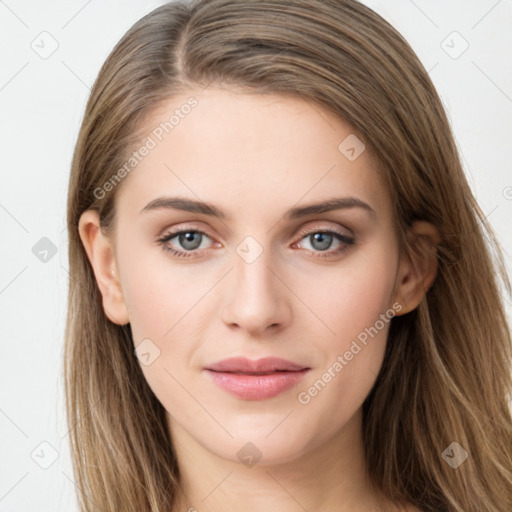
(257, 298)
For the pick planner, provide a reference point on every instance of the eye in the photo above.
(188, 241)
(321, 240)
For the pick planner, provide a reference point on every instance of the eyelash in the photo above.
(346, 241)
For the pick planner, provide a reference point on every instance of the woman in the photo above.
(281, 295)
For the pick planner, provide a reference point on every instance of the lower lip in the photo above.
(257, 387)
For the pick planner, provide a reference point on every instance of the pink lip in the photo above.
(256, 380)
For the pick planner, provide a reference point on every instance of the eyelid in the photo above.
(323, 227)
(310, 229)
(179, 228)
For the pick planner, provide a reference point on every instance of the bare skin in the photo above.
(255, 158)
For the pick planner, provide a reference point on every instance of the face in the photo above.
(250, 272)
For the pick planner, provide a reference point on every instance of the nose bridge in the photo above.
(256, 298)
(252, 275)
(252, 271)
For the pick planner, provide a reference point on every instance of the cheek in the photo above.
(158, 292)
(352, 296)
(355, 304)
(163, 301)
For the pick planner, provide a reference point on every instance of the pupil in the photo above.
(324, 240)
(187, 240)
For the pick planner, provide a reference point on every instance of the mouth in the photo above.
(256, 380)
(264, 365)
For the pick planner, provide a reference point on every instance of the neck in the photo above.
(329, 477)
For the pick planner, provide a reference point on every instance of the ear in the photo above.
(101, 254)
(417, 271)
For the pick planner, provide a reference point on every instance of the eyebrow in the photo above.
(193, 206)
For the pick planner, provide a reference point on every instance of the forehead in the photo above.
(250, 151)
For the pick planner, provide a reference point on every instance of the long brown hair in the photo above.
(446, 374)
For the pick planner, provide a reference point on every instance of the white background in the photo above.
(41, 105)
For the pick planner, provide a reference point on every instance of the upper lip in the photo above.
(264, 365)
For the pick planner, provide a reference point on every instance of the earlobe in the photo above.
(418, 269)
(100, 253)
